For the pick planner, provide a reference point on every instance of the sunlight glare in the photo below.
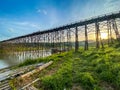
(104, 35)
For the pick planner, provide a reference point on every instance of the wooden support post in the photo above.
(101, 40)
(76, 39)
(110, 32)
(64, 41)
(110, 39)
(60, 40)
(97, 35)
(67, 44)
(86, 38)
(57, 40)
(116, 29)
(68, 39)
(59, 44)
(30, 46)
(42, 41)
(38, 45)
(53, 39)
(108, 29)
(44, 47)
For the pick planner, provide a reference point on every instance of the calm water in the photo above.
(3, 64)
(18, 57)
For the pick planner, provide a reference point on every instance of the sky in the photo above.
(21, 17)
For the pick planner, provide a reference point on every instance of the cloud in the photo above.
(5, 34)
(93, 8)
(21, 23)
(35, 25)
(42, 11)
(11, 30)
(53, 19)
(112, 5)
(27, 24)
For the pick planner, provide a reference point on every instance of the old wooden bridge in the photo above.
(90, 32)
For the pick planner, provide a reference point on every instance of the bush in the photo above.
(57, 81)
(117, 81)
(86, 80)
(107, 76)
(115, 69)
(102, 67)
(116, 72)
(60, 80)
(49, 83)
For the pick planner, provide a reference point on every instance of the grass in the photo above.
(89, 70)
(61, 79)
(85, 70)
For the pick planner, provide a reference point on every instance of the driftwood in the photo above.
(26, 80)
(36, 70)
(30, 84)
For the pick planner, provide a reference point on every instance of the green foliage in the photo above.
(86, 80)
(12, 86)
(89, 69)
(60, 80)
(115, 68)
(54, 57)
(102, 67)
(107, 76)
(29, 62)
(117, 82)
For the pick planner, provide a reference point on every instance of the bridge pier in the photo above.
(76, 39)
(116, 29)
(86, 38)
(97, 35)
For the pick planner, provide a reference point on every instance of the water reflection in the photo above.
(14, 58)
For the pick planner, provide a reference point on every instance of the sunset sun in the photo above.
(104, 35)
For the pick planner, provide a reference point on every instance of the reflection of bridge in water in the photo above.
(84, 33)
(20, 56)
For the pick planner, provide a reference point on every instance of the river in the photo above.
(3, 64)
(19, 57)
